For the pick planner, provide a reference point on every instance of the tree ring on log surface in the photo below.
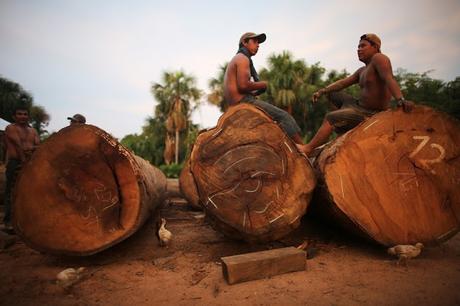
(252, 181)
(83, 192)
(395, 178)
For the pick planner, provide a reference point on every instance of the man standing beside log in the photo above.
(377, 85)
(239, 88)
(21, 141)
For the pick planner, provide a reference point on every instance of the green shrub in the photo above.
(172, 171)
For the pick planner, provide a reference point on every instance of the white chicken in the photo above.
(164, 235)
(405, 252)
(68, 277)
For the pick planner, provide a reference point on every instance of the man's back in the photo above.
(232, 94)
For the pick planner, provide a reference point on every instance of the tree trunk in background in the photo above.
(395, 178)
(177, 146)
(251, 180)
(168, 153)
(83, 192)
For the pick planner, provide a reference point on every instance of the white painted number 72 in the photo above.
(425, 162)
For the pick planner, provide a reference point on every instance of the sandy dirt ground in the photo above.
(342, 271)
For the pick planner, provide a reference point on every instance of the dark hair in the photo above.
(20, 107)
(241, 43)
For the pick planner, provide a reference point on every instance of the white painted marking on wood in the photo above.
(217, 132)
(265, 209)
(238, 161)
(405, 184)
(210, 200)
(449, 232)
(261, 172)
(273, 220)
(107, 207)
(90, 209)
(371, 124)
(425, 162)
(288, 146)
(228, 152)
(341, 186)
(442, 154)
(404, 173)
(424, 139)
(257, 187)
(294, 219)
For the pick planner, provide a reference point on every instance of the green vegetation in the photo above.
(172, 170)
(168, 136)
(13, 95)
(291, 85)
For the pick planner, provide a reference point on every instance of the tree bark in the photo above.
(395, 178)
(188, 187)
(251, 180)
(83, 192)
(177, 146)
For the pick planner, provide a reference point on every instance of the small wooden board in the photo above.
(257, 265)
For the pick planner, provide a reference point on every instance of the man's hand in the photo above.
(407, 106)
(317, 95)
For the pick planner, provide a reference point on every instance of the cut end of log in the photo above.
(250, 178)
(397, 176)
(81, 192)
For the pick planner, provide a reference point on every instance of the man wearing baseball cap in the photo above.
(242, 84)
(377, 85)
(77, 119)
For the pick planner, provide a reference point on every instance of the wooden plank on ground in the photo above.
(257, 265)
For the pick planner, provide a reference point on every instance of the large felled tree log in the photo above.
(83, 192)
(188, 187)
(396, 177)
(251, 180)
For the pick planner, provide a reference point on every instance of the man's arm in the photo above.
(243, 77)
(338, 85)
(382, 65)
(13, 139)
(36, 138)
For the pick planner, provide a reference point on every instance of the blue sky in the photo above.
(99, 58)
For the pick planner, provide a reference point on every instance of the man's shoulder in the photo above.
(11, 127)
(240, 58)
(380, 58)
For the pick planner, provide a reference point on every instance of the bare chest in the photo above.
(25, 134)
(368, 77)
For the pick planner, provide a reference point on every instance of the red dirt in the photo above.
(344, 271)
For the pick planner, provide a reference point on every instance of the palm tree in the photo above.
(177, 97)
(216, 85)
(286, 80)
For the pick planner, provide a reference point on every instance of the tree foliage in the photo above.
(216, 86)
(13, 95)
(177, 97)
(292, 82)
(420, 87)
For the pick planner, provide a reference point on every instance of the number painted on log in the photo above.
(426, 162)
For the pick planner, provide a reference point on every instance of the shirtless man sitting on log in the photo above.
(377, 87)
(239, 88)
(21, 140)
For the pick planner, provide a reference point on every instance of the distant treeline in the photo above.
(291, 85)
